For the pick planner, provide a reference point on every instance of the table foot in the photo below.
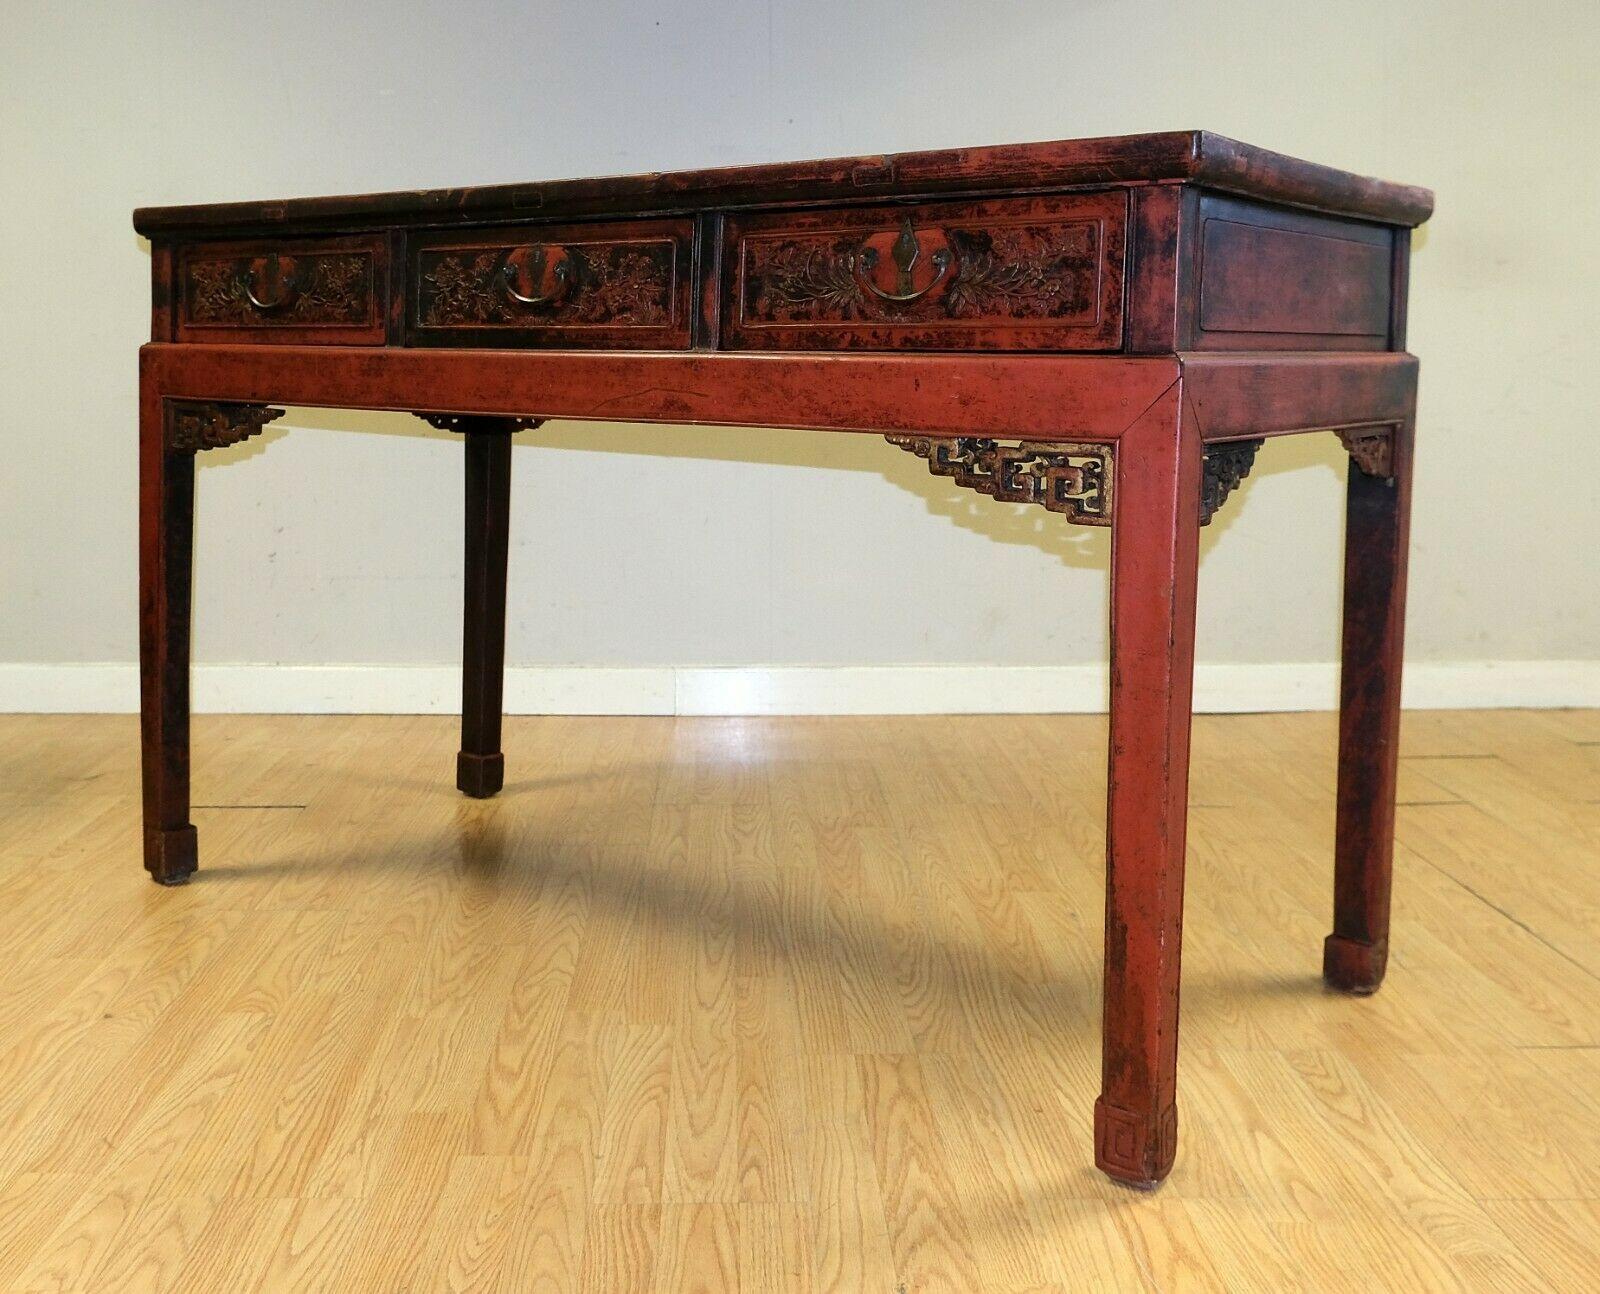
(480, 776)
(172, 856)
(1132, 1148)
(1352, 966)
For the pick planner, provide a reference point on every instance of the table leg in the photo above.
(166, 556)
(1377, 522)
(481, 766)
(1155, 541)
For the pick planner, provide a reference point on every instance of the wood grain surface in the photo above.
(1198, 155)
(781, 1005)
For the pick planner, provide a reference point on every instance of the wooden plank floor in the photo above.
(780, 1005)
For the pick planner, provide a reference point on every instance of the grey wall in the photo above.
(636, 546)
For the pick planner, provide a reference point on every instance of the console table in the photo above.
(1107, 328)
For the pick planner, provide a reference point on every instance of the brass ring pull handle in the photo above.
(269, 283)
(906, 252)
(547, 272)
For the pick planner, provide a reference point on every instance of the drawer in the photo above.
(327, 291)
(1038, 273)
(624, 284)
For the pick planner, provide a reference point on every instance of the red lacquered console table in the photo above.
(1107, 328)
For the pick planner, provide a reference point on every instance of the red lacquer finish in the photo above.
(1238, 396)
(1179, 156)
(1034, 397)
(166, 552)
(616, 285)
(1108, 329)
(328, 291)
(1154, 559)
(1271, 279)
(481, 765)
(1036, 274)
(1377, 519)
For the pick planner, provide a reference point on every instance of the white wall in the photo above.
(338, 540)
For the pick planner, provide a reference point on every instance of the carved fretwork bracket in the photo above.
(1073, 479)
(1371, 451)
(193, 426)
(464, 422)
(1226, 464)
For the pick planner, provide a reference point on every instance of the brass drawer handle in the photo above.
(269, 283)
(906, 252)
(546, 273)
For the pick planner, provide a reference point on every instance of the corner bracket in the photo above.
(1077, 480)
(197, 425)
(1371, 451)
(1226, 464)
(465, 422)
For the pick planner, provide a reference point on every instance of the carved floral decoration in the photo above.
(1226, 465)
(1371, 451)
(626, 286)
(325, 290)
(195, 426)
(1039, 272)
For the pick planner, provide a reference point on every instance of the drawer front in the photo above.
(301, 291)
(602, 285)
(1010, 274)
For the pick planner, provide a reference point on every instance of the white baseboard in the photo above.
(878, 689)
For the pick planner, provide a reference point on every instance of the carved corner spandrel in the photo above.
(1371, 451)
(461, 423)
(193, 426)
(1073, 479)
(1226, 465)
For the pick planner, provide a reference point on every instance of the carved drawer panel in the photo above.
(329, 291)
(622, 284)
(1038, 273)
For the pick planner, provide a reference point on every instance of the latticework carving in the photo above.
(1073, 479)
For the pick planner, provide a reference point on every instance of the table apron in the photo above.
(1022, 397)
(1018, 397)
(1235, 396)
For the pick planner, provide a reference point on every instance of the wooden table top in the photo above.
(1173, 156)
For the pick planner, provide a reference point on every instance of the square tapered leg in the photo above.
(1378, 509)
(1155, 542)
(166, 556)
(480, 765)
